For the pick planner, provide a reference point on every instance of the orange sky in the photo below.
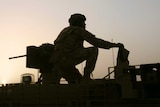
(135, 23)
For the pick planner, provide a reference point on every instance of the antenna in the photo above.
(113, 53)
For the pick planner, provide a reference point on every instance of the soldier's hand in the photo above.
(120, 45)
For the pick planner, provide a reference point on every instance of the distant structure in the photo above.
(27, 78)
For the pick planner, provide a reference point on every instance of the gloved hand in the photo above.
(120, 45)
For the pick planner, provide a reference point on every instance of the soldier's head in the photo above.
(77, 20)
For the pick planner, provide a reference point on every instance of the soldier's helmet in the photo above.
(76, 19)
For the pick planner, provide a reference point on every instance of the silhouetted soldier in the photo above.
(69, 50)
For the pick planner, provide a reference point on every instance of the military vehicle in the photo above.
(132, 85)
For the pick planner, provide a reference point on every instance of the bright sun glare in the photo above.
(4, 82)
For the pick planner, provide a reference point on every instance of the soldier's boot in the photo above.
(90, 63)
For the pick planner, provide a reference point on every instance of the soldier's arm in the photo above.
(97, 42)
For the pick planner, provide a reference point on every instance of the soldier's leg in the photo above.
(90, 55)
(90, 62)
(69, 71)
(65, 68)
(72, 75)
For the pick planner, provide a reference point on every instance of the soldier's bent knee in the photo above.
(95, 50)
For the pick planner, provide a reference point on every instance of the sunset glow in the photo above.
(135, 23)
